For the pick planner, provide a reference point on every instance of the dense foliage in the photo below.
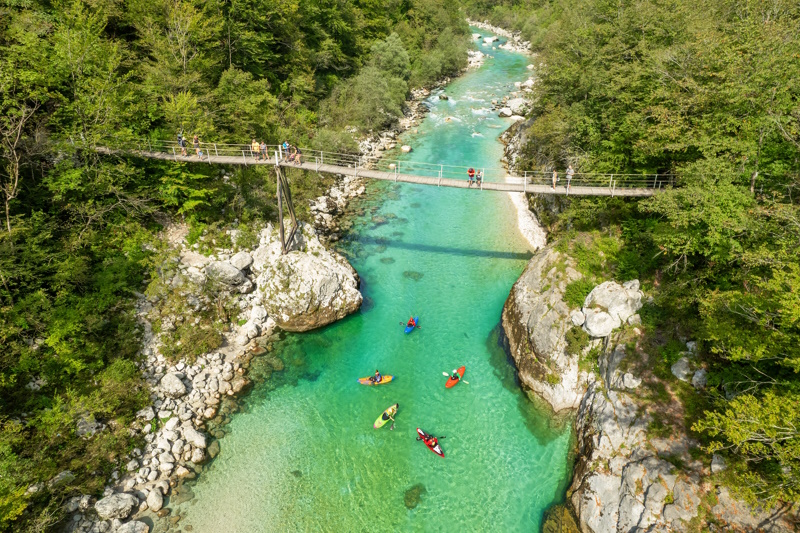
(79, 229)
(707, 91)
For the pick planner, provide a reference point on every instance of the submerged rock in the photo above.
(413, 495)
(413, 274)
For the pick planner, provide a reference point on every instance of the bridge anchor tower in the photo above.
(284, 197)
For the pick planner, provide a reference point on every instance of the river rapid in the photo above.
(302, 454)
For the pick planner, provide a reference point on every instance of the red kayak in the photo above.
(452, 382)
(431, 442)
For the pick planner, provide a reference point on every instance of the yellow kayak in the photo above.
(369, 381)
(390, 412)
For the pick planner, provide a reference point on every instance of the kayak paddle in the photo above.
(465, 382)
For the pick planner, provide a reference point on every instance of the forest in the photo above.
(706, 91)
(79, 230)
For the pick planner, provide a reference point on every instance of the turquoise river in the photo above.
(302, 454)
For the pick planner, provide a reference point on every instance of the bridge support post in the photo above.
(216, 154)
(174, 154)
(244, 158)
(441, 171)
(525, 182)
(285, 196)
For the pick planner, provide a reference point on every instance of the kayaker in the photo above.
(431, 441)
(387, 416)
(455, 376)
(411, 323)
(377, 378)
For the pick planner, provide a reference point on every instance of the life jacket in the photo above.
(411, 322)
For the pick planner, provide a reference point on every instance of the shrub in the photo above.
(577, 291)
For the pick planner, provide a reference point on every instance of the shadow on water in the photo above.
(450, 250)
(536, 414)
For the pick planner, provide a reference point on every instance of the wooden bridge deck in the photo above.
(513, 183)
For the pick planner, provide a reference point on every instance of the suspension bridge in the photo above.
(393, 170)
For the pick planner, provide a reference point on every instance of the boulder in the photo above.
(577, 318)
(405, 148)
(308, 288)
(717, 463)
(619, 301)
(505, 112)
(135, 526)
(172, 385)
(118, 505)
(194, 437)
(682, 369)
(225, 273)
(155, 500)
(242, 260)
(146, 414)
(518, 106)
(599, 323)
(700, 379)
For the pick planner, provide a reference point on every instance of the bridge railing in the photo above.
(209, 152)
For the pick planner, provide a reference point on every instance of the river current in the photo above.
(302, 454)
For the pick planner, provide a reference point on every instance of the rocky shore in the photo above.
(304, 289)
(625, 479)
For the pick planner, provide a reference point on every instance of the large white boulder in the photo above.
(609, 305)
(518, 106)
(225, 273)
(172, 385)
(194, 437)
(242, 260)
(535, 321)
(155, 500)
(118, 505)
(305, 288)
(505, 112)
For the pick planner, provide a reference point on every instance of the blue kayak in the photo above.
(409, 329)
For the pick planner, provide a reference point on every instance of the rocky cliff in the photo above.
(625, 479)
(535, 321)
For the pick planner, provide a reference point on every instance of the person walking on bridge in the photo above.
(263, 148)
(555, 179)
(254, 149)
(196, 144)
(471, 174)
(570, 174)
(182, 143)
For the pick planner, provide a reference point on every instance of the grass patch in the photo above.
(659, 427)
(577, 291)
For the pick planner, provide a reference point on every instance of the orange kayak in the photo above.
(452, 382)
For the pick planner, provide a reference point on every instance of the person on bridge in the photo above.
(263, 148)
(254, 149)
(298, 156)
(570, 173)
(285, 147)
(471, 174)
(182, 143)
(555, 179)
(196, 144)
(479, 177)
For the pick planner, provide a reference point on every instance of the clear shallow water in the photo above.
(303, 456)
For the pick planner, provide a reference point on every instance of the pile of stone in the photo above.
(514, 41)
